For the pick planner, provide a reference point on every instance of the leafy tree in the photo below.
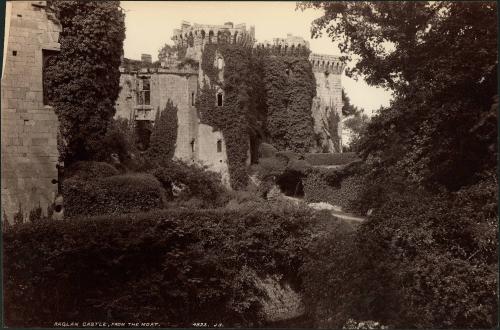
(440, 58)
(83, 79)
(164, 134)
(348, 109)
(356, 125)
(427, 256)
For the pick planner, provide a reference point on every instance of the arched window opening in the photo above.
(219, 99)
(219, 145)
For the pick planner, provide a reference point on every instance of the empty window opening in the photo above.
(192, 99)
(220, 63)
(14, 53)
(144, 92)
(193, 141)
(219, 145)
(219, 99)
(287, 71)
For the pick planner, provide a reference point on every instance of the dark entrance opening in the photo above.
(290, 183)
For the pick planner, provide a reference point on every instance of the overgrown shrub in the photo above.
(196, 180)
(167, 266)
(89, 170)
(116, 194)
(119, 140)
(35, 214)
(421, 261)
(332, 186)
(164, 135)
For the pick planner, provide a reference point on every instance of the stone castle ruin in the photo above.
(146, 90)
(29, 125)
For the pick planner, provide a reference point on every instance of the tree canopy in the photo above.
(440, 59)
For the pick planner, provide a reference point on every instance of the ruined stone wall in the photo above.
(327, 71)
(180, 87)
(28, 127)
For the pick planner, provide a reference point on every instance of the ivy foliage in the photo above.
(233, 117)
(82, 80)
(267, 96)
(289, 87)
(164, 134)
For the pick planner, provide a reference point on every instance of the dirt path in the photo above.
(347, 216)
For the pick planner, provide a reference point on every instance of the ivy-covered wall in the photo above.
(232, 118)
(267, 96)
(289, 87)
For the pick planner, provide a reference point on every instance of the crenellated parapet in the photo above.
(323, 63)
(190, 35)
(281, 50)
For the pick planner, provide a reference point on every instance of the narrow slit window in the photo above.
(192, 99)
(219, 99)
(219, 145)
(193, 141)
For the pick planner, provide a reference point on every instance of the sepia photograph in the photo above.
(249, 164)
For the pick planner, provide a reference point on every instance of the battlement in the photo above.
(330, 63)
(279, 50)
(190, 35)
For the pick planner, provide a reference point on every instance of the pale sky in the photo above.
(150, 24)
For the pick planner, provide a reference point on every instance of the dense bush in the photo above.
(164, 135)
(89, 170)
(119, 140)
(421, 261)
(170, 267)
(332, 186)
(197, 181)
(112, 195)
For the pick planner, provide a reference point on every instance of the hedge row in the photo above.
(170, 267)
(112, 195)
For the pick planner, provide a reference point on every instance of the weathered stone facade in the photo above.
(196, 142)
(29, 128)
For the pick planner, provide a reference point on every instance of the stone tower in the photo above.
(327, 105)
